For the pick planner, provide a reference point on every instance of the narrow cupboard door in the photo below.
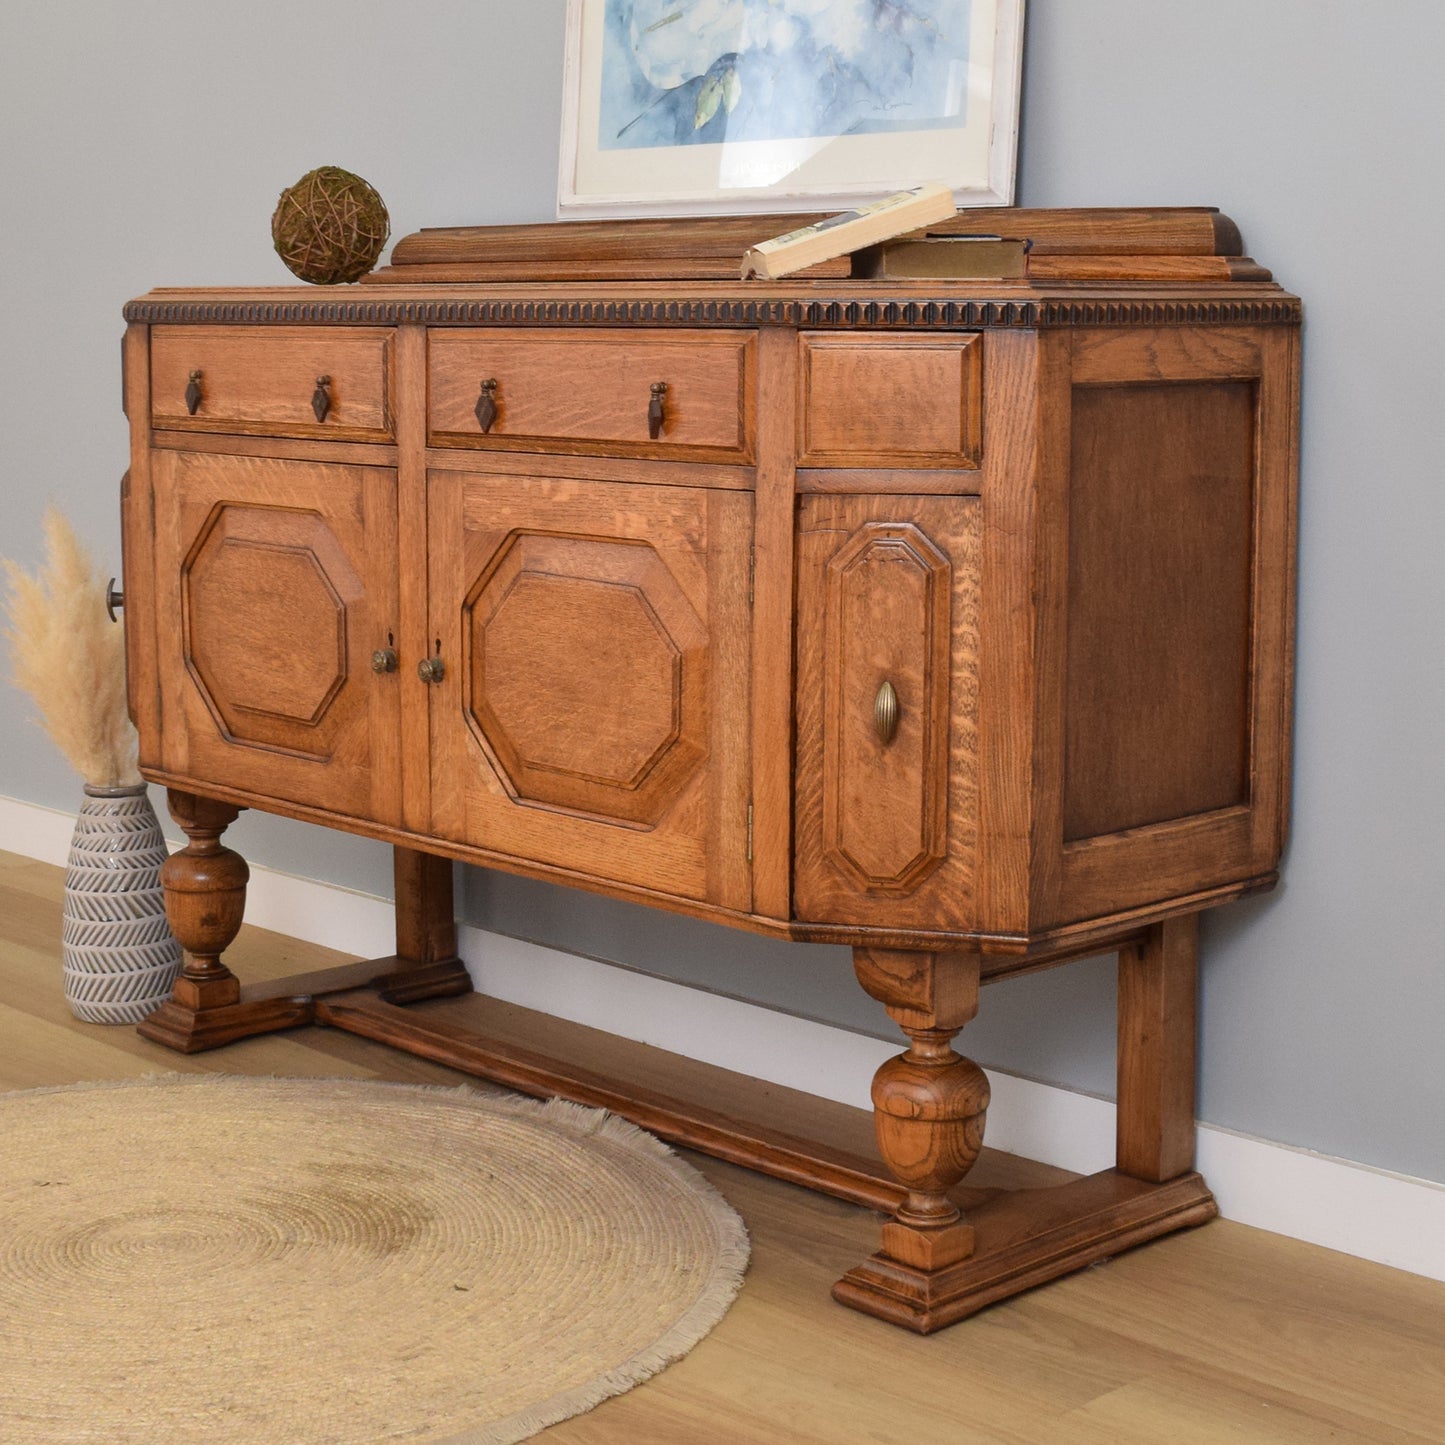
(886, 809)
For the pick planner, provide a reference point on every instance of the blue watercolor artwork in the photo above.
(699, 72)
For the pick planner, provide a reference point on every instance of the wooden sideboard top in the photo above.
(1085, 267)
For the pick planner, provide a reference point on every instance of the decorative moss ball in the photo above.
(330, 226)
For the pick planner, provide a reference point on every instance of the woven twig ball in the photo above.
(330, 226)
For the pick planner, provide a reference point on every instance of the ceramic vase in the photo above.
(119, 956)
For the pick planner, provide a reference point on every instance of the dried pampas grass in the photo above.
(68, 655)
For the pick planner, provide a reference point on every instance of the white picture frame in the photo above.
(648, 131)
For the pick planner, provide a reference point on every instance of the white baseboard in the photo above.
(1371, 1213)
(36, 832)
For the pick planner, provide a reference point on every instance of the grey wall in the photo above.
(145, 143)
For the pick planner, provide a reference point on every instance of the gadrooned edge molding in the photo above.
(1355, 1208)
(860, 314)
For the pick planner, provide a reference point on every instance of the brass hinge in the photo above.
(752, 570)
(750, 832)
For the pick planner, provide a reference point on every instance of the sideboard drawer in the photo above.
(890, 401)
(593, 391)
(300, 381)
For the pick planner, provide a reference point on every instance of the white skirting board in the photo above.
(1372, 1213)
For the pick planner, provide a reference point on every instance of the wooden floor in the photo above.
(1219, 1334)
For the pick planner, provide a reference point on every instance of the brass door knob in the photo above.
(193, 393)
(885, 713)
(384, 660)
(431, 669)
(114, 600)
(321, 398)
(655, 410)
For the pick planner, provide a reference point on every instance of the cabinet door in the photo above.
(887, 678)
(276, 582)
(593, 715)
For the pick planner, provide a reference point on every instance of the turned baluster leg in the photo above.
(929, 1105)
(205, 893)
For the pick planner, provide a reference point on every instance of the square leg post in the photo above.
(1158, 1010)
(426, 929)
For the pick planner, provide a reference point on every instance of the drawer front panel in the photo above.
(592, 391)
(890, 401)
(264, 380)
(887, 790)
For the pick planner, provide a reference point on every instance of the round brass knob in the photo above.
(431, 669)
(383, 659)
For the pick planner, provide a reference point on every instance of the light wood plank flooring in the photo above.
(1220, 1334)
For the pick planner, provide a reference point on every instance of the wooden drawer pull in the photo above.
(487, 404)
(654, 410)
(885, 713)
(193, 393)
(321, 398)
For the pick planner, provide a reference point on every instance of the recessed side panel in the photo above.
(1160, 551)
(1162, 753)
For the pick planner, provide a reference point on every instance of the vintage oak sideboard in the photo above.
(950, 620)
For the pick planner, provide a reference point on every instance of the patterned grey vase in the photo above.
(119, 956)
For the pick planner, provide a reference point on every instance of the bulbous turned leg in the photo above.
(205, 892)
(929, 1105)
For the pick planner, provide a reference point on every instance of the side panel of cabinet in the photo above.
(1167, 651)
(276, 582)
(887, 768)
(594, 713)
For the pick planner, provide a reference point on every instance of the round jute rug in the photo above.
(299, 1261)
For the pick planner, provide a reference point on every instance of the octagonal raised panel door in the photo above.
(594, 710)
(278, 582)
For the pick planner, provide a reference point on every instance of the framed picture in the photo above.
(706, 107)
